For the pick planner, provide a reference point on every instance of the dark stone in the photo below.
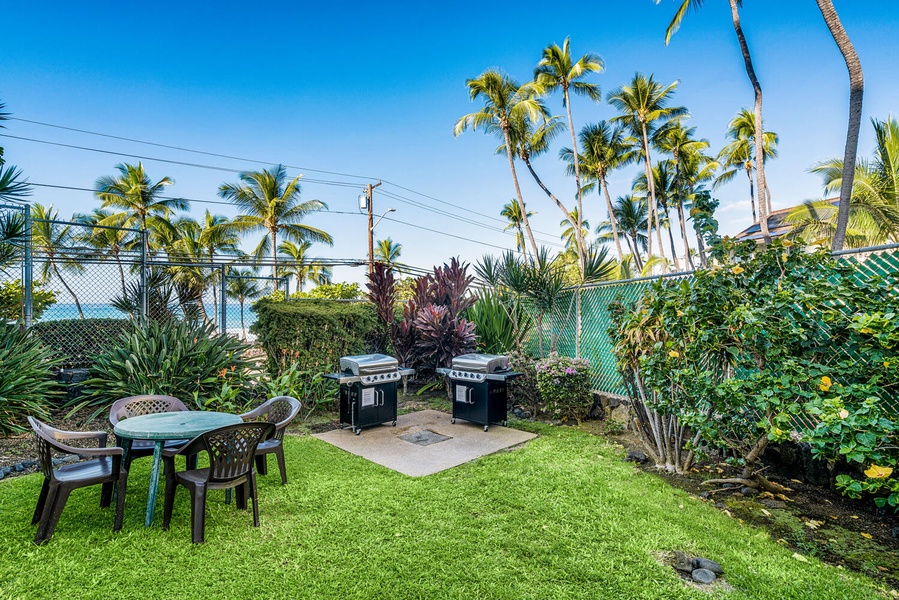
(773, 503)
(795, 461)
(703, 576)
(28, 463)
(6, 470)
(71, 378)
(57, 462)
(18, 467)
(710, 565)
(705, 494)
(520, 412)
(682, 562)
(636, 456)
(748, 491)
(720, 505)
(2, 475)
(896, 532)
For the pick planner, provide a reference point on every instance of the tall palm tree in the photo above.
(856, 93)
(644, 106)
(270, 203)
(242, 287)
(13, 237)
(512, 212)
(301, 266)
(217, 237)
(104, 233)
(12, 186)
(504, 102)
(632, 214)
(530, 142)
(739, 153)
(604, 149)
(191, 282)
(557, 71)
(569, 234)
(139, 198)
(387, 252)
(52, 242)
(663, 182)
(756, 87)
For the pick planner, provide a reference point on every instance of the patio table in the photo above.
(160, 427)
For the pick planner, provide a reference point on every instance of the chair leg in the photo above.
(40, 535)
(255, 497)
(106, 494)
(41, 500)
(240, 492)
(121, 488)
(59, 503)
(168, 500)
(190, 462)
(198, 514)
(279, 454)
(262, 464)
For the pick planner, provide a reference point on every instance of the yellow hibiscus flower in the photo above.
(674, 354)
(737, 270)
(878, 472)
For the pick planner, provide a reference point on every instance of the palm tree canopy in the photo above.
(568, 232)
(302, 266)
(645, 102)
(504, 101)
(739, 153)
(632, 213)
(557, 71)
(139, 197)
(529, 142)
(387, 251)
(242, 285)
(605, 148)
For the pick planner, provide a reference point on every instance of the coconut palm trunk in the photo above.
(524, 212)
(856, 93)
(578, 232)
(274, 237)
(577, 170)
(66, 285)
(636, 252)
(653, 208)
(751, 192)
(759, 144)
(683, 234)
(612, 220)
(671, 238)
(243, 329)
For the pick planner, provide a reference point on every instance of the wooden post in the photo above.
(371, 241)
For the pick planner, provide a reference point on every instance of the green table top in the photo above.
(173, 425)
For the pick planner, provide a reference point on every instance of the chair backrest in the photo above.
(135, 406)
(45, 438)
(280, 411)
(231, 449)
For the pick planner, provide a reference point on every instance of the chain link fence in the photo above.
(13, 254)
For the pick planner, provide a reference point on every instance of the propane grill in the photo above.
(368, 389)
(479, 388)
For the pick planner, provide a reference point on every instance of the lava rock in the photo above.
(748, 491)
(705, 494)
(896, 532)
(2, 475)
(57, 462)
(703, 576)
(520, 412)
(6, 470)
(682, 562)
(636, 456)
(720, 505)
(709, 565)
(28, 463)
(18, 467)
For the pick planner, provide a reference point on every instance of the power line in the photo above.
(458, 237)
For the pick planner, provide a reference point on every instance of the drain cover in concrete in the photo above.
(425, 437)
(425, 442)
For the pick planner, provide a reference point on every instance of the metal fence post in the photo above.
(223, 319)
(144, 247)
(286, 287)
(577, 331)
(27, 270)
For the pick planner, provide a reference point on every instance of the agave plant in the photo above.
(26, 381)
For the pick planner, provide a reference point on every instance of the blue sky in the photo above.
(373, 89)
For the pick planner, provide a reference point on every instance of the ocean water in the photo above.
(105, 311)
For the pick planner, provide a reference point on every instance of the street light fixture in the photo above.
(389, 210)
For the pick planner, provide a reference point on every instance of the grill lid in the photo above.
(368, 364)
(481, 363)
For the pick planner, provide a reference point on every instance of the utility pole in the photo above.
(371, 226)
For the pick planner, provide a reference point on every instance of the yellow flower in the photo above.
(866, 330)
(786, 243)
(680, 313)
(674, 354)
(825, 383)
(694, 212)
(784, 256)
(737, 270)
(844, 413)
(878, 472)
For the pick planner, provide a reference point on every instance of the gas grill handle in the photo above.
(380, 394)
(468, 393)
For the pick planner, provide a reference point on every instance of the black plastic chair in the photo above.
(279, 411)
(104, 468)
(231, 450)
(135, 406)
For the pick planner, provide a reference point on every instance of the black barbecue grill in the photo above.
(368, 389)
(479, 390)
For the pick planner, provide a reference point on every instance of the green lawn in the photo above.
(561, 517)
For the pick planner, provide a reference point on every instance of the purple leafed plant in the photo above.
(440, 337)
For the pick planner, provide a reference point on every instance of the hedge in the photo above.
(77, 341)
(314, 333)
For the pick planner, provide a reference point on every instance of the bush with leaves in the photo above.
(77, 342)
(12, 300)
(332, 291)
(564, 385)
(170, 357)
(499, 322)
(27, 384)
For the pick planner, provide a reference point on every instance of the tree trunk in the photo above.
(700, 247)
(671, 238)
(243, 330)
(637, 253)
(577, 178)
(578, 234)
(612, 219)
(653, 208)
(68, 289)
(856, 92)
(683, 234)
(524, 210)
(274, 236)
(755, 219)
(215, 301)
(759, 144)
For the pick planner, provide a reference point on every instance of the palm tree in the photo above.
(644, 106)
(388, 252)
(242, 286)
(605, 149)
(663, 182)
(740, 152)
(504, 102)
(139, 198)
(569, 233)
(632, 215)
(512, 212)
(12, 186)
(530, 142)
(874, 207)
(300, 266)
(557, 71)
(856, 93)
(217, 237)
(13, 237)
(271, 204)
(105, 234)
(757, 89)
(191, 282)
(52, 243)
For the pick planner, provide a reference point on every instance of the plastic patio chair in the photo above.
(135, 406)
(279, 411)
(231, 450)
(104, 467)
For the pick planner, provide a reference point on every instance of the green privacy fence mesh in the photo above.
(579, 325)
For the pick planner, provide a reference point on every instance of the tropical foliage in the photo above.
(27, 384)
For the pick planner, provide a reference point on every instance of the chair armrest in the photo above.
(251, 415)
(100, 436)
(194, 446)
(110, 451)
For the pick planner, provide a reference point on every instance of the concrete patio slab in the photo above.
(425, 442)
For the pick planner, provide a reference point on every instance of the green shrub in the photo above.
(564, 385)
(332, 291)
(499, 322)
(12, 300)
(313, 334)
(26, 381)
(169, 357)
(76, 342)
